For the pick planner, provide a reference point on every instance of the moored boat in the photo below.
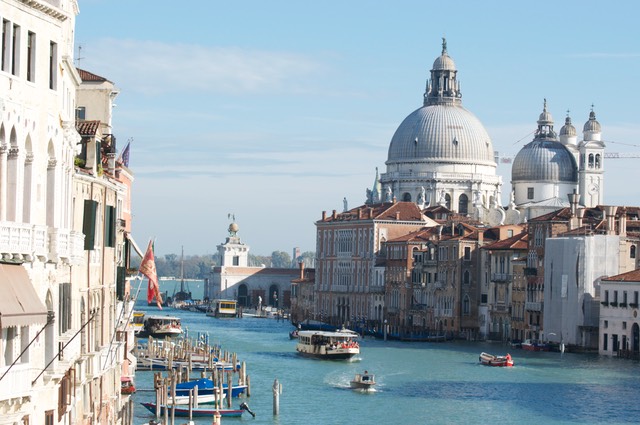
(363, 381)
(161, 327)
(224, 308)
(533, 345)
(205, 386)
(183, 411)
(338, 345)
(492, 360)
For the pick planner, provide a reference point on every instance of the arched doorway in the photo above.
(244, 300)
(635, 338)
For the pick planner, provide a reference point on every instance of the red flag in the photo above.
(148, 268)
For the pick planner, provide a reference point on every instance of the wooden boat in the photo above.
(491, 360)
(183, 411)
(339, 345)
(205, 386)
(363, 381)
(161, 327)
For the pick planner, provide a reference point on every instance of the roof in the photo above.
(396, 211)
(544, 160)
(87, 128)
(516, 242)
(632, 276)
(87, 76)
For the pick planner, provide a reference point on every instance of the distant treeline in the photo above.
(199, 266)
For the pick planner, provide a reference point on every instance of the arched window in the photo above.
(590, 160)
(463, 204)
(466, 277)
(597, 160)
(466, 310)
(632, 251)
(406, 197)
(447, 199)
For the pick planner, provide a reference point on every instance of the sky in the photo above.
(274, 111)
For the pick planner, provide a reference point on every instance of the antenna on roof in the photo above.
(79, 57)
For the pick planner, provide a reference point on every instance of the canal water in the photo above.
(417, 383)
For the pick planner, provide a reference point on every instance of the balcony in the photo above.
(533, 306)
(17, 381)
(501, 277)
(20, 241)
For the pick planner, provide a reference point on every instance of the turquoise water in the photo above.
(418, 383)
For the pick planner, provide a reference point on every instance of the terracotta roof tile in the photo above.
(518, 241)
(87, 128)
(89, 76)
(399, 211)
(632, 276)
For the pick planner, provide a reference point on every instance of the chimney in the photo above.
(610, 212)
(622, 223)
(324, 215)
(301, 264)
(359, 213)
(398, 215)
(580, 216)
(480, 237)
(111, 163)
(334, 215)
(573, 201)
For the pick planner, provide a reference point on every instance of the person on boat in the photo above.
(508, 356)
(365, 376)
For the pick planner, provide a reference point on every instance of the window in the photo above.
(447, 199)
(64, 306)
(590, 160)
(6, 47)
(624, 325)
(606, 296)
(632, 251)
(53, 65)
(236, 260)
(31, 56)
(81, 113)
(466, 310)
(15, 50)
(529, 193)
(605, 341)
(597, 160)
(89, 224)
(466, 279)
(467, 253)
(606, 324)
(463, 204)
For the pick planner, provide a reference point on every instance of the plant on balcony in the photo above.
(79, 162)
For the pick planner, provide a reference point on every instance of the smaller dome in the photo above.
(568, 129)
(544, 160)
(444, 63)
(593, 124)
(545, 117)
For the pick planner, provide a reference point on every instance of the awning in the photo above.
(19, 302)
(134, 245)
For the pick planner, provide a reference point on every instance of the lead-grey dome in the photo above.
(592, 124)
(568, 129)
(442, 133)
(544, 161)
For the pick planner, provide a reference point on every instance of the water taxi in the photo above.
(363, 381)
(161, 327)
(491, 360)
(224, 308)
(339, 345)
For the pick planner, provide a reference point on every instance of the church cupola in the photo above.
(545, 125)
(568, 133)
(592, 130)
(443, 87)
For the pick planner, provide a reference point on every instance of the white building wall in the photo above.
(619, 324)
(573, 268)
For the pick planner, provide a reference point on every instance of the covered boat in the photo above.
(338, 345)
(183, 411)
(205, 386)
(492, 360)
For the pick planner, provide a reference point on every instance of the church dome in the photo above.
(442, 133)
(592, 125)
(444, 63)
(544, 161)
(568, 129)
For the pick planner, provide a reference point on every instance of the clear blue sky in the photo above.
(275, 111)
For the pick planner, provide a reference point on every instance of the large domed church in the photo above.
(441, 153)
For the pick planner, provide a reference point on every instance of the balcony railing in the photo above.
(17, 381)
(501, 277)
(533, 306)
(27, 241)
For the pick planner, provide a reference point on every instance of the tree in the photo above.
(281, 260)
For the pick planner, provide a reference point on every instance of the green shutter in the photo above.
(110, 226)
(89, 224)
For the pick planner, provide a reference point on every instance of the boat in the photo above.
(339, 345)
(534, 345)
(224, 308)
(138, 322)
(491, 360)
(184, 295)
(126, 385)
(149, 363)
(363, 381)
(315, 325)
(161, 327)
(183, 411)
(205, 386)
(208, 398)
(294, 334)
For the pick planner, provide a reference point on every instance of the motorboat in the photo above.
(363, 381)
(224, 308)
(184, 411)
(533, 345)
(492, 360)
(339, 345)
(161, 327)
(205, 386)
